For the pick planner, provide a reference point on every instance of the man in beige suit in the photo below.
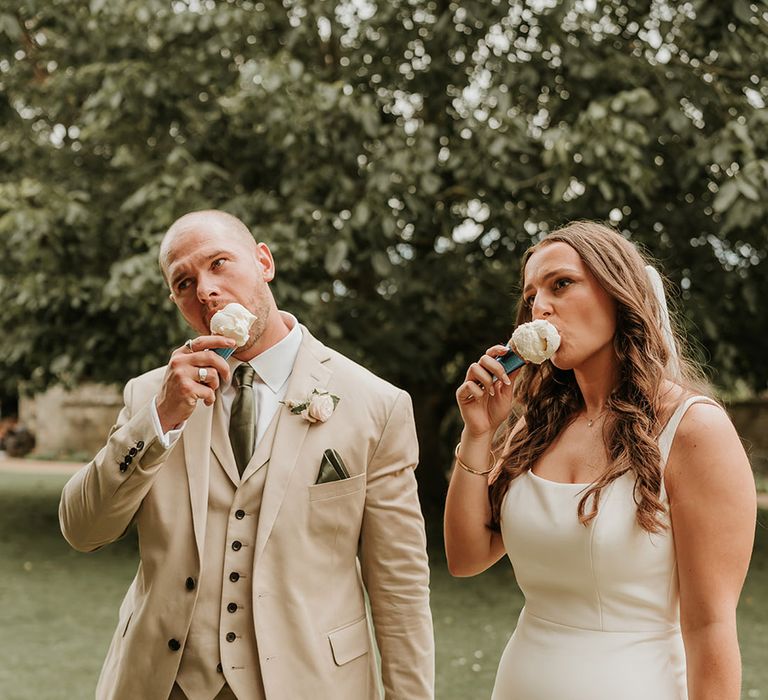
(253, 568)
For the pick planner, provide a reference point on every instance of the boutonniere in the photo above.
(317, 407)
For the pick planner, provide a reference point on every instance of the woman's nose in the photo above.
(541, 307)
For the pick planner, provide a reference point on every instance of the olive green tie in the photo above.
(242, 422)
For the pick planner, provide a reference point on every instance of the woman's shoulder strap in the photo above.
(667, 435)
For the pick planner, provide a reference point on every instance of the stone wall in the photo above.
(71, 424)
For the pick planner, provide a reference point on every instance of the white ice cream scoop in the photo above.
(233, 321)
(536, 341)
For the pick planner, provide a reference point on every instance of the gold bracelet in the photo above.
(467, 468)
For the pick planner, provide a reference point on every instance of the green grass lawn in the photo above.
(58, 608)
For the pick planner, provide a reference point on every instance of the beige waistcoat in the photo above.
(221, 635)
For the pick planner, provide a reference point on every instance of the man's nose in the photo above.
(206, 288)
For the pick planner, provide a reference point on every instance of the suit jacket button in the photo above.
(132, 452)
(123, 466)
(190, 583)
(239, 514)
(173, 644)
(234, 576)
(140, 445)
(232, 607)
(231, 636)
(127, 459)
(219, 668)
(236, 545)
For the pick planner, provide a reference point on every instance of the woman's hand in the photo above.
(485, 401)
(485, 397)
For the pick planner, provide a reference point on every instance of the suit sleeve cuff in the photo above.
(166, 439)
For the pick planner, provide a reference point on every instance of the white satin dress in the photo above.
(601, 616)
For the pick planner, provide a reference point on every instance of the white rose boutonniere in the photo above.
(318, 407)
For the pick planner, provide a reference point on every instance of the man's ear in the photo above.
(267, 262)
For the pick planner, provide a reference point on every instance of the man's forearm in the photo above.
(99, 502)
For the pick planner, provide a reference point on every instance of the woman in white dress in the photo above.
(618, 489)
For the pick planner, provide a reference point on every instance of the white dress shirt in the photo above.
(273, 368)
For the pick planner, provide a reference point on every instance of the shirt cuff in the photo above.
(166, 439)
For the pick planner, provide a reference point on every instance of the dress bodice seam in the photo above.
(672, 628)
(593, 557)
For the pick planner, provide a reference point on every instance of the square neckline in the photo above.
(675, 416)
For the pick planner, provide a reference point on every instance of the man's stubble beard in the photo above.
(262, 311)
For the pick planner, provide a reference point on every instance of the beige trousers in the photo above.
(224, 694)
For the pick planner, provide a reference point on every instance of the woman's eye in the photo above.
(528, 301)
(181, 286)
(562, 283)
(218, 262)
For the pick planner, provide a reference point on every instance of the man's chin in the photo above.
(243, 349)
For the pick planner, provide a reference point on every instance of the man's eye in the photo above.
(181, 286)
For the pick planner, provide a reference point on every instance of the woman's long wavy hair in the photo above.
(549, 399)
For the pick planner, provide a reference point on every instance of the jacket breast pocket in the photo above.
(334, 489)
(336, 510)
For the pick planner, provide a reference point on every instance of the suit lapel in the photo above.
(197, 455)
(220, 444)
(309, 372)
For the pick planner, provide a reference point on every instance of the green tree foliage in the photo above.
(397, 156)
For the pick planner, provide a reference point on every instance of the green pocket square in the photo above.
(332, 468)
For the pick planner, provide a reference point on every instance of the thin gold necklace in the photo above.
(590, 421)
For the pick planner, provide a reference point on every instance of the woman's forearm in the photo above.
(468, 540)
(714, 662)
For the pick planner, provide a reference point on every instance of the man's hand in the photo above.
(193, 373)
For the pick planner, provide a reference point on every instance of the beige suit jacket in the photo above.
(317, 546)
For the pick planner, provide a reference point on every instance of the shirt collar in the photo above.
(275, 364)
